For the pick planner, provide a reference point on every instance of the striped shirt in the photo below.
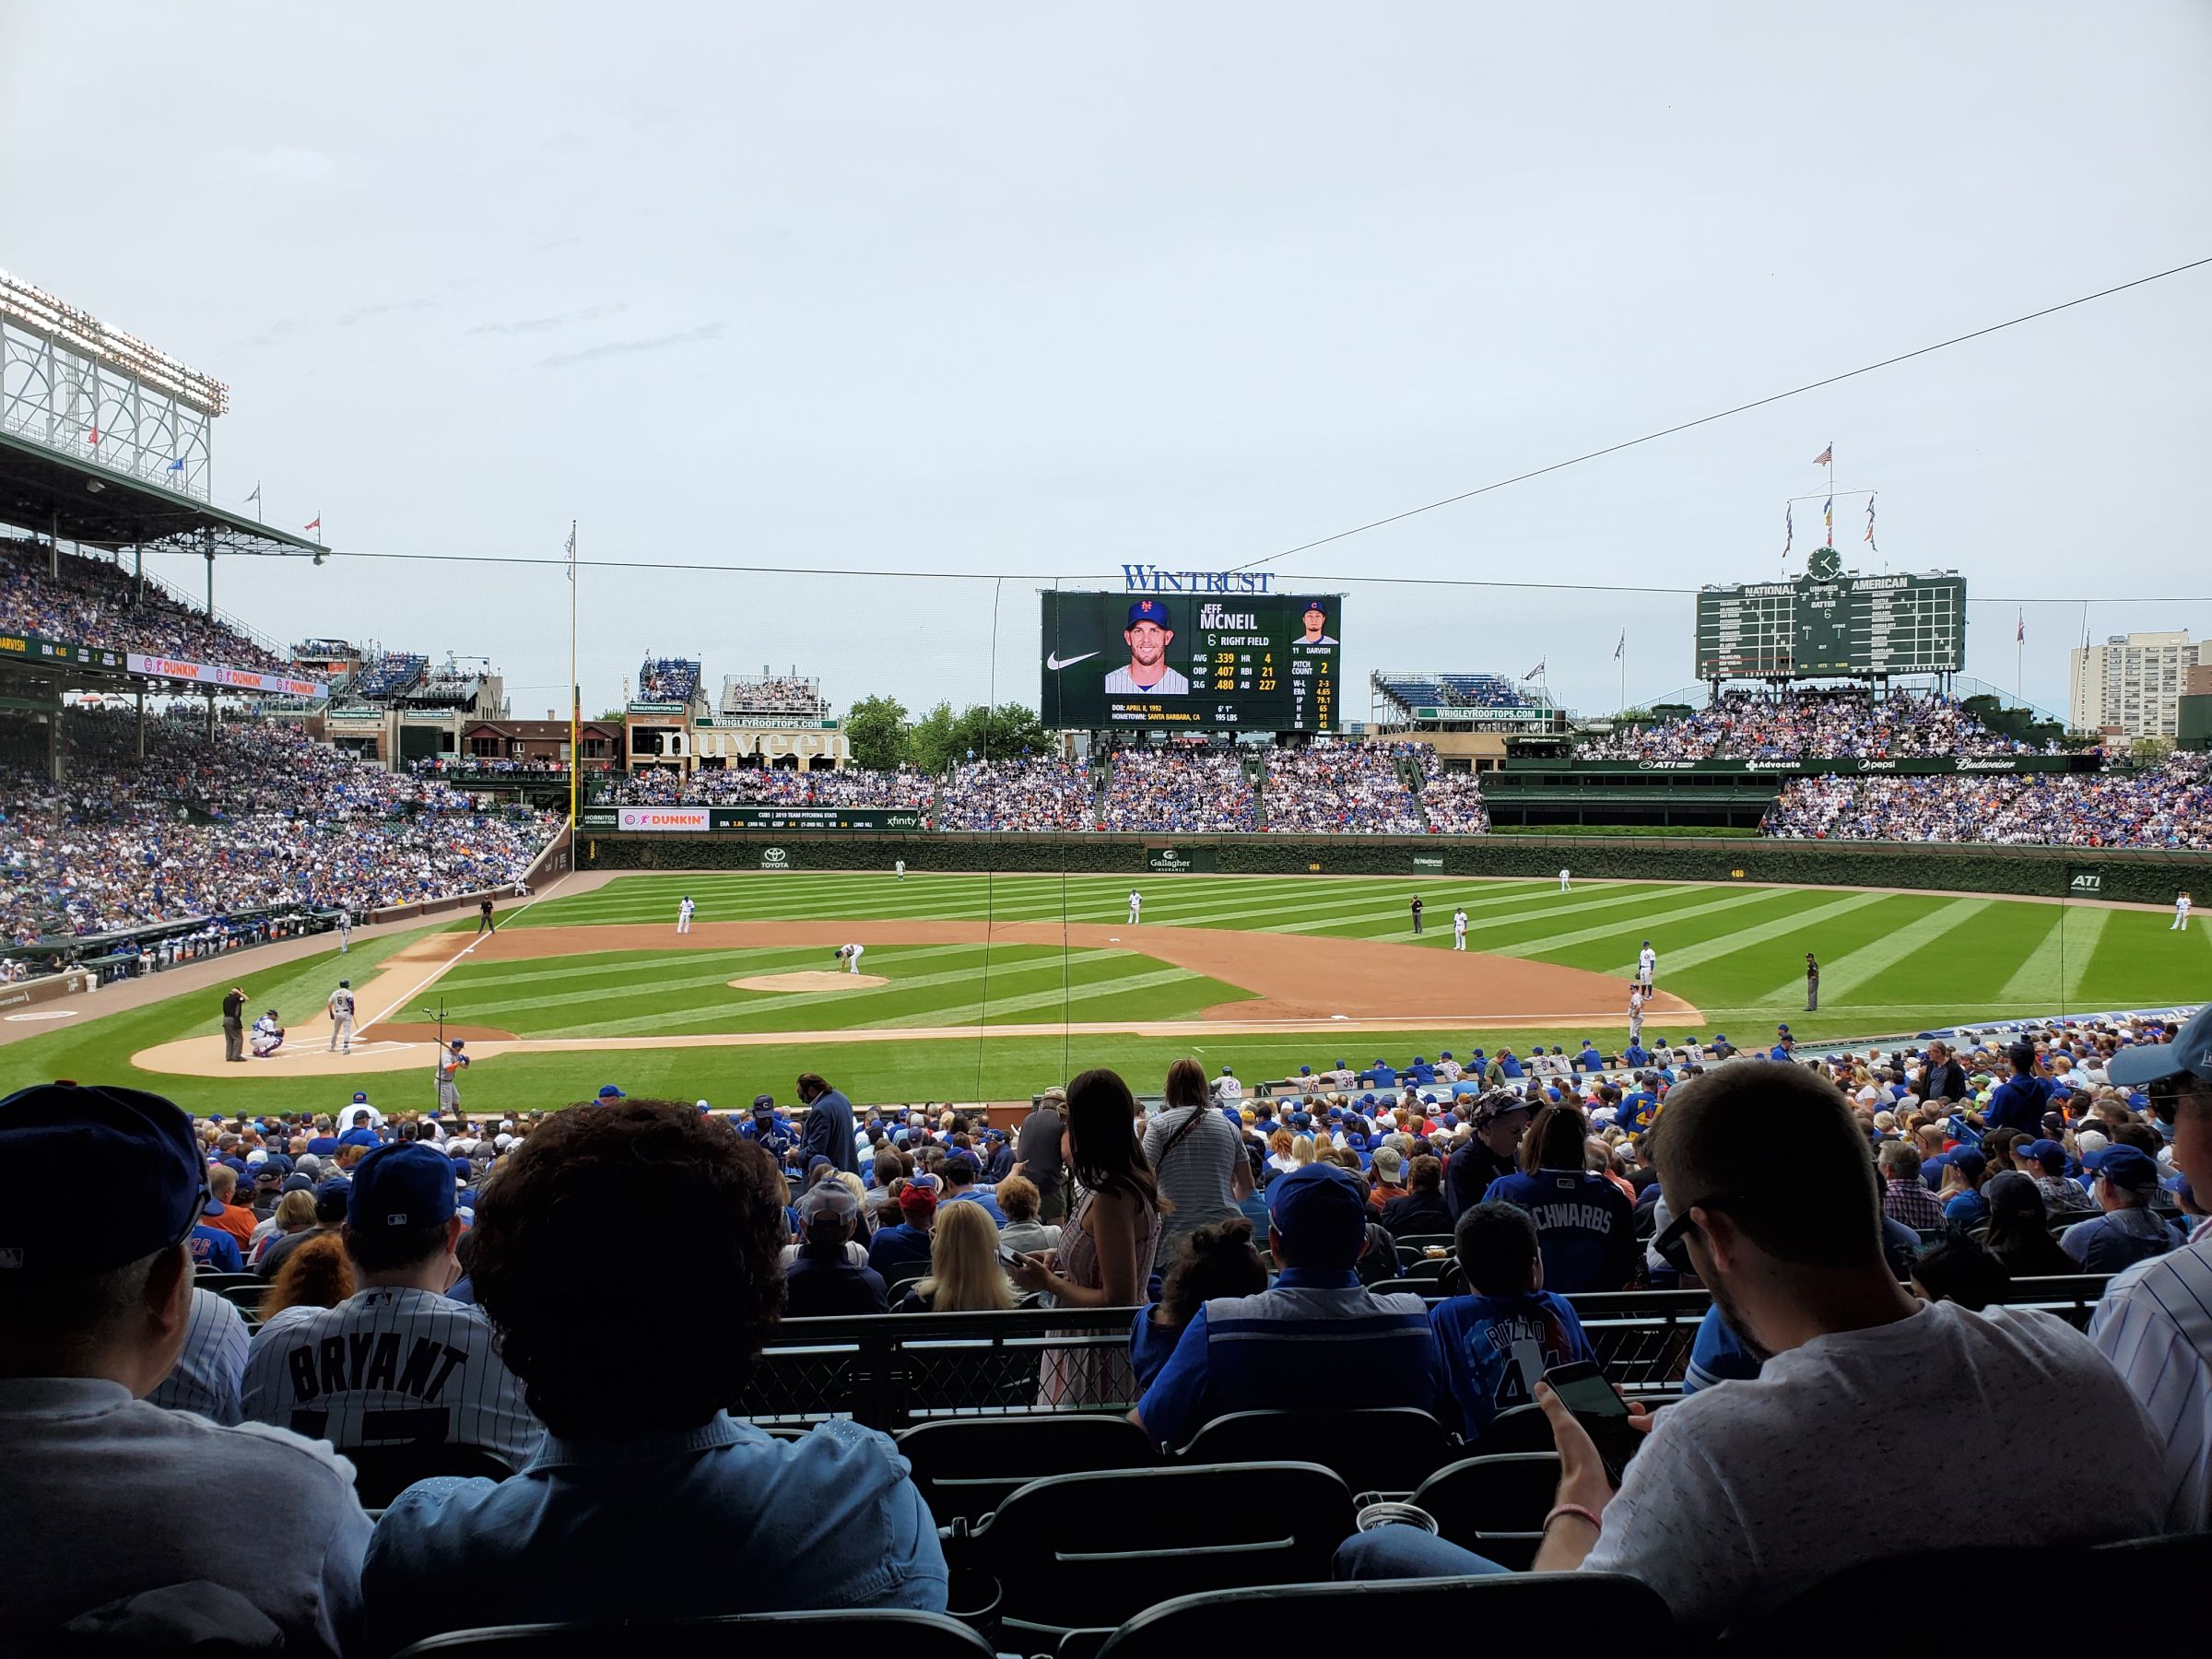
(209, 1372)
(389, 1368)
(1193, 1173)
(2155, 1325)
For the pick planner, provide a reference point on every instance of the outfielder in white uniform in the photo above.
(1566, 881)
(899, 865)
(1459, 930)
(341, 1018)
(683, 914)
(2181, 913)
(396, 1363)
(1647, 965)
(1136, 906)
(345, 929)
(850, 955)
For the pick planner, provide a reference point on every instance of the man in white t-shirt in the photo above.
(1749, 1491)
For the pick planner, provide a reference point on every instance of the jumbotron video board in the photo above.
(1844, 625)
(1195, 661)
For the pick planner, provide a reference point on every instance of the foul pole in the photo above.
(575, 699)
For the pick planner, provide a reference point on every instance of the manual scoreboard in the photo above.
(1855, 626)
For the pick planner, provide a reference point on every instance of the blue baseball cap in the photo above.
(359, 1137)
(360, 1097)
(2047, 1153)
(608, 1091)
(766, 1102)
(407, 1184)
(2128, 1167)
(1152, 611)
(1321, 1213)
(2191, 1051)
(139, 1146)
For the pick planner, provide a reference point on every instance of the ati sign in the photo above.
(2084, 882)
(774, 858)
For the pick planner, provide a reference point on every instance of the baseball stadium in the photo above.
(1188, 1126)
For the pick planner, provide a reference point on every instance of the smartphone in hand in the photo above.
(1604, 1415)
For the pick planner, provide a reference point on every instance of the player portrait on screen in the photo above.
(1149, 633)
(1317, 626)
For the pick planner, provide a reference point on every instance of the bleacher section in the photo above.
(769, 694)
(1420, 697)
(668, 680)
(392, 676)
(96, 603)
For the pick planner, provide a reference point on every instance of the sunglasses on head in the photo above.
(1672, 1241)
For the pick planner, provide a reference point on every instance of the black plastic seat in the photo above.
(911, 1635)
(1510, 1613)
(382, 1473)
(1517, 1429)
(967, 1466)
(1379, 1449)
(1494, 1506)
(1076, 1550)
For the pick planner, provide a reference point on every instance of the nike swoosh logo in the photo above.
(1055, 661)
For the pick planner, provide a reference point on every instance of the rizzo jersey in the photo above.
(389, 1368)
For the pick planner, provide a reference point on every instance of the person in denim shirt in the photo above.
(645, 1490)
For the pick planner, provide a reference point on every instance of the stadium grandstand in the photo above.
(392, 677)
(667, 679)
(769, 693)
(1825, 723)
(88, 596)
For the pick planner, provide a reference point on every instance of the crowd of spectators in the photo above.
(1451, 801)
(1867, 1255)
(392, 675)
(438, 765)
(760, 786)
(260, 816)
(770, 694)
(1754, 725)
(1336, 788)
(97, 602)
(1034, 792)
(667, 679)
(1181, 787)
(2169, 805)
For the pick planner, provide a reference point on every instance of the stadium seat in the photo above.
(967, 1466)
(1520, 1613)
(1517, 1429)
(1102, 1547)
(1412, 1287)
(1494, 1506)
(905, 1274)
(1419, 1243)
(915, 1635)
(221, 1282)
(1381, 1449)
(1428, 1270)
(246, 1297)
(1849, 1609)
(382, 1473)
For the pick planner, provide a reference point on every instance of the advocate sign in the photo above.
(218, 674)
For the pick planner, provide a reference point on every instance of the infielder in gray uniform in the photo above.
(341, 1018)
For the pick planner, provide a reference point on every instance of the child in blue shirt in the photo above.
(1498, 1343)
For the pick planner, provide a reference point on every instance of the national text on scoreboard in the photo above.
(1193, 662)
(1859, 627)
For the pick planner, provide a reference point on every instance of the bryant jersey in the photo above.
(389, 1368)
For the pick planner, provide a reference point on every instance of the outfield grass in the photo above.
(1891, 962)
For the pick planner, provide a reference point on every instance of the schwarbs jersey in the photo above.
(389, 1368)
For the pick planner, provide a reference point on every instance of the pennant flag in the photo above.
(256, 496)
(1828, 514)
(571, 554)
(1789, 530)
(1621, 647)
(2019, 632)
(1826, 457)
(178, 465)
(313, 524)
(1870, 523)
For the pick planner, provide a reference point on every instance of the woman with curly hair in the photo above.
(315, 1275)
(643, 1473)
(1215, 1261)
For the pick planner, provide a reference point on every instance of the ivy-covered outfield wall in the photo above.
(2143, 877)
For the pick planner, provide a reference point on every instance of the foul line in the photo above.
(453, 961)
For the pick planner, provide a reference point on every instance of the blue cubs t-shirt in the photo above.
(1585, 1227)
(1497, 1348)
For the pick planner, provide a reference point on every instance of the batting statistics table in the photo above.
(1244, 662)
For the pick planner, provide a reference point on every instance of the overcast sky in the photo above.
(1041, 289)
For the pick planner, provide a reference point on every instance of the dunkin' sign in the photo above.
(666, 818)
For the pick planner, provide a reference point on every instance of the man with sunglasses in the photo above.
(104, 1495)
(1748, 1492)
(2155, 1323)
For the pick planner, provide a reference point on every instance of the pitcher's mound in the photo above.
(829, 980)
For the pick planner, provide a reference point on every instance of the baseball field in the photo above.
(976, 987)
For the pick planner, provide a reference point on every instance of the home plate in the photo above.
(811, 980)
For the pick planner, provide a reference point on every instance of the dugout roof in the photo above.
(87, 503)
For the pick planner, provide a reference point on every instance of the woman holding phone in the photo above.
(1104, 1258)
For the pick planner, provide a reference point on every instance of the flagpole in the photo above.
(2019, 652)
(575, 701)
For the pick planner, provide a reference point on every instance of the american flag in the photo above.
(1826, 457)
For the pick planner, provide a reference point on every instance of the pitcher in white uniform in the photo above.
(1136, 905)
(850, 955)
(683, 914)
